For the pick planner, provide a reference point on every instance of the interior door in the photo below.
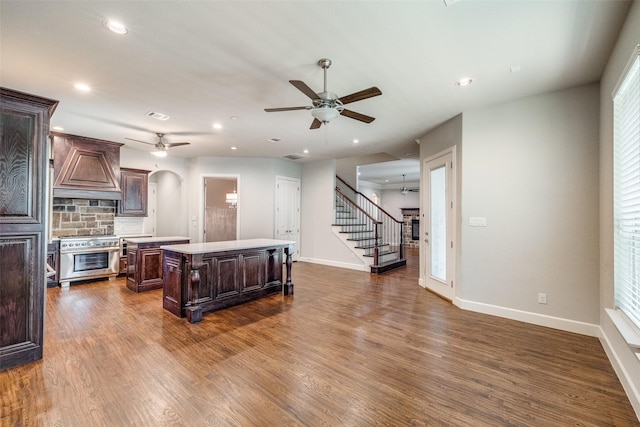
(288, 211)
(439, 224)
(220, 209)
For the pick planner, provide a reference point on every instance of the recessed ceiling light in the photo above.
(305, 151)
(355, 141)
(58, 128)
(82, 87)
(466, 81)
(386, 180)
(217, 126)
(234, 148)
(116, 27)
(234, 117)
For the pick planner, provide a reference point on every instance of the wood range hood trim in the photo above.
(85, 168)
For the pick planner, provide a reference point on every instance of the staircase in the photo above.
(371, 233)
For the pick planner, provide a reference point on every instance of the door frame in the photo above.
(203, 206)
(447, 291)
(279, 178)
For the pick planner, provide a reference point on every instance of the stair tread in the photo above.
(354, 232)
(382, 253)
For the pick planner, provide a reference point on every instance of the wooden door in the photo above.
(220, 209)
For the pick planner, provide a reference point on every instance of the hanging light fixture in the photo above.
(160, 153)
(231, 199)
(404, 189)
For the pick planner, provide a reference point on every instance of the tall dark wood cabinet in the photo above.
(24, 125)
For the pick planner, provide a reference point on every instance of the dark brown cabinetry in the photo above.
(53, 261)
(24, 125)
(134, 184)
(85, 168)
(122, 268)
(144, 261)
(210, 276)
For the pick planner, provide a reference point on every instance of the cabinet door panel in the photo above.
(19, 169)
(20, 303)
(172, 298)
(226, 280)
(252, 271)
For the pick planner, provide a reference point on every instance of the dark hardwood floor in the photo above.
(348, 349)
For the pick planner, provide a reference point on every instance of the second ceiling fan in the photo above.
(326, 105)
(161, 146)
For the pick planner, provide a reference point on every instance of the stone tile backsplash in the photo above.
(81, 217)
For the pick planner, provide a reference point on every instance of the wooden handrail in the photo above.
(375, 221)
(368, 199)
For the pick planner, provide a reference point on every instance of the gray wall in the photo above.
(530, 167)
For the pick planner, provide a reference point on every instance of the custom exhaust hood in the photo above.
(85, 168)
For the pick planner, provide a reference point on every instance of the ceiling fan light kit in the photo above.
(325, 114)
(326, 105)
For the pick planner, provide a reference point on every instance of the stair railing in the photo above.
(388, 229)
(359, 221)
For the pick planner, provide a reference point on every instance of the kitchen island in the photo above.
(144, 261)
(201, 277)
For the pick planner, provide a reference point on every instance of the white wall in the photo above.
(624, 361)
(317, 242)
(171, 219)
(256, 191)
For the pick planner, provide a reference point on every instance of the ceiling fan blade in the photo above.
(175, 144)
(357, 116)
(359, 96)
(302, 87)
(137, 140)
(315, 124)
(273, 110)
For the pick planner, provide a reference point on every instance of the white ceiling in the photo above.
(202, 62)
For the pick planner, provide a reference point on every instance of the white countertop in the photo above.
(156, 239)
(229, 245)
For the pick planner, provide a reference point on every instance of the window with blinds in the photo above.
(626, 192)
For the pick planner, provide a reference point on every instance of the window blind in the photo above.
(626, 194)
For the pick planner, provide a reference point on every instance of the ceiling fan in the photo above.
(161, 147)
(326, 105)
(404, 190)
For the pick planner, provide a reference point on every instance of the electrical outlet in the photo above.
(542, 298)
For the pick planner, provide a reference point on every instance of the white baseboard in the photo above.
(359, 267)
(590, 329)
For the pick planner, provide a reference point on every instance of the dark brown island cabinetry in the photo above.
(85, 168)
(24, 125)
(202, 277)
(134, 184)
(144, 261)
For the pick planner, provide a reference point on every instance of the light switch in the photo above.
(477, 221)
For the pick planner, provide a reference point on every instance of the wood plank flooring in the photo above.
(348, 349)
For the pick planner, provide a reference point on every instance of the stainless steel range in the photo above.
(88, 257)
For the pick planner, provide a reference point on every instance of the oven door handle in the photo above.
(88, 251)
